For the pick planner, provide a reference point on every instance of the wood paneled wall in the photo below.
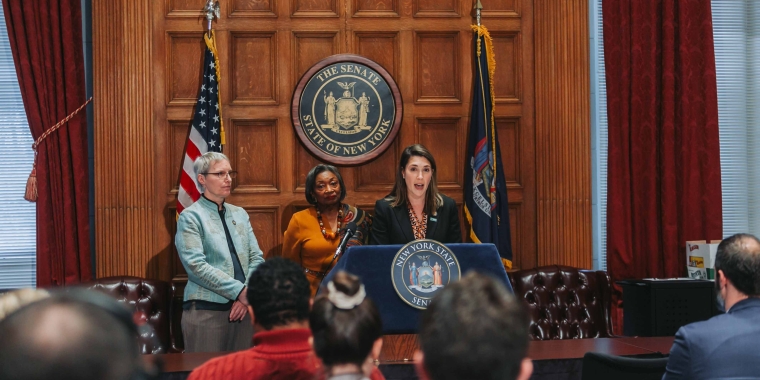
(125, 168)
(147, 58)
(562, 132)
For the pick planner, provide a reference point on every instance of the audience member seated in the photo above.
(16, 299)
(725, 346)
(474, 329)
(278, 303)
(74, 335)
(347, 329)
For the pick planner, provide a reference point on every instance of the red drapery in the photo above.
(46, 41)
(664, 156)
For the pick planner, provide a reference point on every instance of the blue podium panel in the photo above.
(373, 265)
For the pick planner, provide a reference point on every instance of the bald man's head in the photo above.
(738, 257)
(61, 338)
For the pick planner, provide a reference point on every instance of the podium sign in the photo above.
(372, 264)
(421, 269)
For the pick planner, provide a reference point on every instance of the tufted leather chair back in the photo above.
(565, 302)
(152, 298)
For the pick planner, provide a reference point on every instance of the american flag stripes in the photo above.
(206, 131)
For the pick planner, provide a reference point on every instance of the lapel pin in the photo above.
(233, 222)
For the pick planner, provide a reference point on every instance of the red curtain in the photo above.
(664, 156)
(46, 41)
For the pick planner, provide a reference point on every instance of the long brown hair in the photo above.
(399, 195)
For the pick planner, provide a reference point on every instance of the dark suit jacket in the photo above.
(726, 346)
(391, 225)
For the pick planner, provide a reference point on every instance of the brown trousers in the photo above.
(212, 331)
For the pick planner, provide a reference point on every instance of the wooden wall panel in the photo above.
(252, 8)
(443, 137)
(178, 130)
(124, 151)
(508, 78)
(381, 47)
(253, 66)
(436, 8)
(502, 8)
(314, 8)
(563, 133)
(304, 162)
(508, 130)
(380, 174)
(265, 223)
(255, 155)
(183, 8)
(375, 8)
(147, 76)
(185, 56)
(437, 67)
(311, 47)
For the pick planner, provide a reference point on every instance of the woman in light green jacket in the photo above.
(219, 251)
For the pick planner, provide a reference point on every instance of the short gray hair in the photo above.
(203, 163)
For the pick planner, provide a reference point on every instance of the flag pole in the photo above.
(478, 6)
(212, 11)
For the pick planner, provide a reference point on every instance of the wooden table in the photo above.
(398, 350)
(656, 344)
(576, 348)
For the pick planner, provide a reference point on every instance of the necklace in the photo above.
(330, 235)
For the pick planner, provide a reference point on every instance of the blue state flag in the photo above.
(485, 190)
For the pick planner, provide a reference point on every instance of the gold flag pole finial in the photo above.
(212, 11)
(478, 6)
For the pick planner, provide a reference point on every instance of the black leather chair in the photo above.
(565, 302)
(151, 297)
(598, 366)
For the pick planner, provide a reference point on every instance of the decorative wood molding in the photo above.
(444, 137)
(124, 150)
(255, 155)
(252, 82)
(438, 67)
(435, 8)
(502, 9)
(365, 8)
(563, 162)
(236, 10)
(508, 75)
(327, 10)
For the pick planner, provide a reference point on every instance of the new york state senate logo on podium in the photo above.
(346, 109)
(421, 269)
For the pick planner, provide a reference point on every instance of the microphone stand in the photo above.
(338, 252)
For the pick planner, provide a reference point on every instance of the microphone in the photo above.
(350, 229)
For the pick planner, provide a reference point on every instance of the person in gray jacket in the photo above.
(219, 251)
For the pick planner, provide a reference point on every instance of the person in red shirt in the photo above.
(279, 301)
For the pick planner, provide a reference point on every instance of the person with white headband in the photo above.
(346, 329)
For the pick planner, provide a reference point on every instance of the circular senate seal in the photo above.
(346, 109)
(422, 268)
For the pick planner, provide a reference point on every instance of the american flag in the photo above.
(206, 132)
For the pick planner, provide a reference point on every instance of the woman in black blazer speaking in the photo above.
(415, 209)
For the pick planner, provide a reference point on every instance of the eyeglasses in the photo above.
(223, 175)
